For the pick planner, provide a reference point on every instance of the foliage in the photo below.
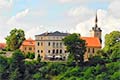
(30, 55)
(11, 69)
(2, 52)
(99, 67)
(112, 45)
(116, 75)
(75, 46)
(15, 39)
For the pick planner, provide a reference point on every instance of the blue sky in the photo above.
(38, 16)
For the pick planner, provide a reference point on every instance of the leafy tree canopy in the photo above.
(112, 45)
(15, 39)
(75, 46)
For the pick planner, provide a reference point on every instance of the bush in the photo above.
(2, 52)
(116, 76)
(30, 55)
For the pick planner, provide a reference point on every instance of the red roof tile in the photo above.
(2, 45)
(92, 41)
(28, 42)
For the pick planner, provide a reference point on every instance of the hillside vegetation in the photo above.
(105, 65)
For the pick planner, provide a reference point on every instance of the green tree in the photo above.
(3, 68)
(17, 66)
(112, 45)
(15, 39)
(75, 46)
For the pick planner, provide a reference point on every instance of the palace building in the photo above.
(49, 46)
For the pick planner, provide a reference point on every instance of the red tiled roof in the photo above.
(2, 45)
(29, 42)
(92, 41)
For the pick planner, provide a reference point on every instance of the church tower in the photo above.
(96, 31)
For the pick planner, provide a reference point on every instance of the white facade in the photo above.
(50, 47)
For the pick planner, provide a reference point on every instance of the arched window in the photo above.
(38, 43)
(38, 55)
(41, 51)
(38, 51)
(53, 45)
(65, 51)
(60, 45)
(57, 45)
(57, 51)
(60, 51)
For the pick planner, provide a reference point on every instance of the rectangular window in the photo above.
(48, 43)
(30, 48)
(48, 51)
(41, 44)
(41, 38)
(25, 48)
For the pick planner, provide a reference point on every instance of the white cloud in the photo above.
(106, 22)
(14, 20)
(82, 1)
(83, 27)
(114, 8)
(5, 3)
(65, 1)
(35, 31)
(81, 12)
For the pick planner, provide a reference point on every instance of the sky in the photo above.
(38, 16)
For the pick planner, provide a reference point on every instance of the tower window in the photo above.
(93, 50)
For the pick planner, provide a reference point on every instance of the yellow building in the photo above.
(28, 46)
(94, 42)
(49, 46)
(92, 46)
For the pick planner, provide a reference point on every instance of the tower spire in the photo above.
(96, 20)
